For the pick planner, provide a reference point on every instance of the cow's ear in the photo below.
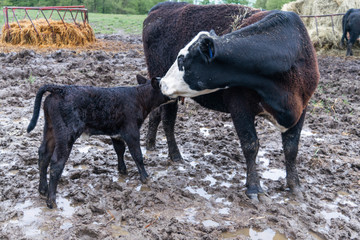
(140, 79)
(207, 49)
(155, 83)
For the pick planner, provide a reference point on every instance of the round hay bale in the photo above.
(54, 33)
(326, 37)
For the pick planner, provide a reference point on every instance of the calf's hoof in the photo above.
(176, 157)
(150, 146)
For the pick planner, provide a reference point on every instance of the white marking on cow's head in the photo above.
(173, 83)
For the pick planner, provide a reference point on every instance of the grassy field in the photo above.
(101, 23)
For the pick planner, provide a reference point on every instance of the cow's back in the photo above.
(170, 26)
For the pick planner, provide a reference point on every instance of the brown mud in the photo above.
(202, 197)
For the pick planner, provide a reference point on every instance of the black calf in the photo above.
(71, 111)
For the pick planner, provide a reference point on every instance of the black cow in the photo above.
(168, 28)
(268, 68)
(351, 25)
(71, 111)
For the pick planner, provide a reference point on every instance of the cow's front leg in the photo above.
(154, 121)
(168, 116)
(132, 139)
(290, 140)
(243, 117)
(119, 147)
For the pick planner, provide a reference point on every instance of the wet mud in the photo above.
(202, 197)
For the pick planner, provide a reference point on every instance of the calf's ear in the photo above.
(140, 79)
(155, 83)
(207, 49)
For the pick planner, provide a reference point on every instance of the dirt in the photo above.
(202, 197)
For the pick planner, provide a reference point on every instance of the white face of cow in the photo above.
(173, 83)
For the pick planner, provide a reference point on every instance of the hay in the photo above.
(326, 37)
(57, 34)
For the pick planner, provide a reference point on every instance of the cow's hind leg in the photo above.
(290, 140)
(119, 146)
(45, 152)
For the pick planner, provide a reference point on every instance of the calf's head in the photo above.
(153, 92)
(190, 75)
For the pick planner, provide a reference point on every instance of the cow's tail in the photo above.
(39, 95)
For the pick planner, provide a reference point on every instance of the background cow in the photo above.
(351, 25)
(170, 27)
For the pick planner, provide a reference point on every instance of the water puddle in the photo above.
(188, 216)
(33, 219)
(210, 223)
(199, 191)
(205, 131)
(254, 234)
(274, 174)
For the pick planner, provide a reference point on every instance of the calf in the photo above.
(351, 25)
(71, 111)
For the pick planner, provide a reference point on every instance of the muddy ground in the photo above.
(200, 198)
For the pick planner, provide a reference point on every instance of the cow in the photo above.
(168, 27)
(351, 25)
(268, 67)
(73, 111)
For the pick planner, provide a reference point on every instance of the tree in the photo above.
(260, 4)
(276, 4)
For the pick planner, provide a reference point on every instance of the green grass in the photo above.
(113, 23)
(101, 23)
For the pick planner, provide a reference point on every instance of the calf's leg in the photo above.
(61, 154)
(46, 150)
(119, 147)
(132, 139)
(290, 141)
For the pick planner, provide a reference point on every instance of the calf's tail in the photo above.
(40, 93)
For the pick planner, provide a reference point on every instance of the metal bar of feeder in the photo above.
(45, 18)
(51, 13)
(72, 16)
(14, 15)
(61, 19)
(32, 22)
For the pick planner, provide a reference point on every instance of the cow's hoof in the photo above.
(297, 193)
(51, 204)
(43, 190)
(176, 157)
(123, 171)
(143, 179)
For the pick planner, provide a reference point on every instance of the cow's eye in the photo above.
(181, 62)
